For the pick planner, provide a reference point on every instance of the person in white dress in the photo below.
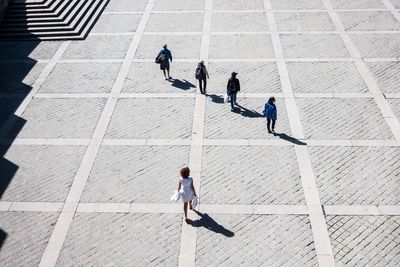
(186, 189)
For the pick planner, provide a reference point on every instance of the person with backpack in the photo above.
(163, 59)
(202, 76)
(271, 114)
(232, 88)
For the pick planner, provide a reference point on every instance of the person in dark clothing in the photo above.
(202, 76)
(270, 113)
(163, 58)
(232, 88)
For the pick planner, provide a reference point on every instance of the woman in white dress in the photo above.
(186, 189)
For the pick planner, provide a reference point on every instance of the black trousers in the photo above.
(269, 124)
(203, 85)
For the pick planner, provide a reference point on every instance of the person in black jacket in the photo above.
(232, 88)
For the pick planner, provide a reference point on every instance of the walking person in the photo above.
(271, 114)
(232, 88)
(202, 76)
(186, 190)
(163, 59)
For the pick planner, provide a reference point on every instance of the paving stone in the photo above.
(142, 174)
(296, 4)
(181, 46)
(301, 21)
(81, 78)
(148, 78)
(34, 50)
(45, 173)
(255, 77)
(238, 5)
(357, 175)
(369, 21)
(395, 105)
(395, 3)
(61, 118)
(239, 21)
(365, 240)
(159, 118)
(357, 4)
(27, 237)
(104, 239)
(125, 5)
(168, 22)
(179, 5)
(387, 75)
(18, 78)
(268, 240)
(313, 46)
(250, 175)
(117, 23)
(342, 119)
(377, 44)
(325, 77)
(241, 46)
(222, 123)
(99, 47)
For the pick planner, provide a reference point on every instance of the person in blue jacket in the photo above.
(270, 113)
(163, 58)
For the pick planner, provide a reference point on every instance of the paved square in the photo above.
(179, 5)
(369, 21)
(387, 75)
(126, 5)
(238, 5)
(357, 4)
(301, 21)
(179, 22)
(395, 105)
(32, 50)
(377, 44)
(296, 4)
(113, 23)
(239, 21)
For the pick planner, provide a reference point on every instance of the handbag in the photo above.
(195, 201)
(227, 98)
(176, 196)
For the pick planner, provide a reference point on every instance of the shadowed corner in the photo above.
(290, 139)
(182, 84)
(207, 222)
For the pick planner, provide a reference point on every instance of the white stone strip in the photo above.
(111, 33)
(157, 95)
(228, 60)
(176, 60)
(318, 225)
(177, 11)
(297, 32)
(392, 9)
(74, 95)
(324, 10)
(361, 210)
(36, 206)
(333, 95)
(172, 33)
(122, 12)
(10, 122)
(382, 59)
(369, 79)
(146, 142)
(50, 255)
(328, 59)
(5, 205)
(84, 60)
(246, 142)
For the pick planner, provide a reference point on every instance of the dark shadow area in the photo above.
(216, 98)
(290, 139)
(207, 222)
(3, 237)
(247, 112)
(182, 84)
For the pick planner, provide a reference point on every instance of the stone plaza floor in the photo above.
(92, 137)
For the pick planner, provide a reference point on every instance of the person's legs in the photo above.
(165, 76)
(201, 85)
(268, 125)
(233, 100)
(205, 85)
(185, 204)
(169, 76)
(273, 126)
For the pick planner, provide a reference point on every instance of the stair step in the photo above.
(28, 15)
(37, 10)
(30, 5)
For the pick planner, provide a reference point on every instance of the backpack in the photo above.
(162, 58)
(198, 73)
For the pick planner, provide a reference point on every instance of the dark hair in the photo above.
(185, 172)
(271, 100)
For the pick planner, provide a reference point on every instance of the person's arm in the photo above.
(238, 83)
(206, 72)
(179, 186)
(276, 113)
(170, 55)
(192, 186)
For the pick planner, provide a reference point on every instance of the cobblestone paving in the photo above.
(387, 75)
(117, 23)
(395, 105)
(295, 21)
(357, 4)
(377, 44)
(238, 21)
(268, 240)
(369, 21)
(365, 240)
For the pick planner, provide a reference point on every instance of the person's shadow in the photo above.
(182, 84)
(290, 139)
(216, 98)
(207, 222)
(247, 112)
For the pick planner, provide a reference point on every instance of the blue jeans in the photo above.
(233, 99)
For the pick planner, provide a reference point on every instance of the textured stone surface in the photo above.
(357, 175)
(28, 49)
(395, 3)
(152, 118)
(300, 21)
(179, 22)
(179, 5)
(100, 47)
(377, 44)
(296, 4)
(369, 21)
(270, 240)
(121, 240)
(255, 77)
(181, 46)
(325, 77)
(387, 75)
(148, 78)
(239, 21)
(365, 240)
(117, 23)
(143, 174)
(81, 78)
(395, 105)
(310, 45)
(250, 175)
(357, 4)
(238, 5)
(61, 118)
(27, 237)
(342, 119)
(45, 173)
(126, 5)
(222, 123)
(241, 46)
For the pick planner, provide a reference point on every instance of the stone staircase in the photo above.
(50, 19)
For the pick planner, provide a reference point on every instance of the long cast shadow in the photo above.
(216, 98)
(290, 139)
(182, 84)
(207, 222)
(245, 112)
